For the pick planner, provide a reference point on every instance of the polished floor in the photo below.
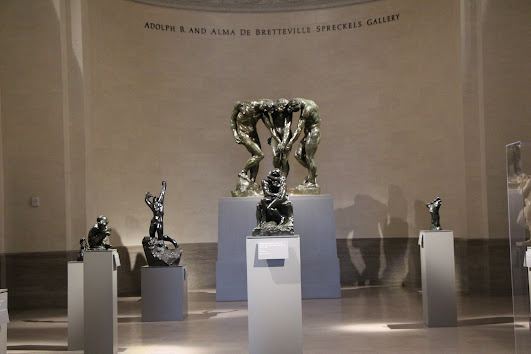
(364, 320)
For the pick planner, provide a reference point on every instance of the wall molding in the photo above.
(251, 5)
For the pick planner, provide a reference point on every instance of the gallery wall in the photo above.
(506, 90)
(32, 127)
(97, 109)
(389, 96)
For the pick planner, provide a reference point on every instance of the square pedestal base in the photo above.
(274, 298)
(4, 320)
(438, 278)
(76, 323)
(100, 302)
(164, 293)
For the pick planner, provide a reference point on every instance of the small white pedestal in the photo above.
(527, 263)
(75, 306)
(4, 320)
(164, 293)
(274, 294)
(438, 278)
(100, 301)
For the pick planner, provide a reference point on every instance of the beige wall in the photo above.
(389, 98)
(32, 126)
(94, 115)
(507, 95)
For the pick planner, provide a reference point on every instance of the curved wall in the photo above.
(389, 94)
(96, 109)
(121, 107)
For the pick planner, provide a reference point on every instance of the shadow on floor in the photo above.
(461, 323)
(45, 321)
(208, 314)
(355, 291)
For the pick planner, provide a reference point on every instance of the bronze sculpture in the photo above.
(156, 251)
(433, 207)
(310, 123)
(245, 116)
(277, 117)
(98, 236)
(274, 213)
(281, 119)
(83, 246)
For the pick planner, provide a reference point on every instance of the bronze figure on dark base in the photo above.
(156, 251)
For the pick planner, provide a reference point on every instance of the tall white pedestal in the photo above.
(164, 293)
(438, 278)
(4, 320)
(75, 306)
(274, 294)
(528, 265)
(314, 221)
(100, 300)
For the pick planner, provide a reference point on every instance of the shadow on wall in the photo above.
(360, 253)
(375, 248)
(199, 258)
(395, 236)
(128, 274)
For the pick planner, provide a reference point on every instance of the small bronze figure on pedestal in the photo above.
(433, 207)
(83, 246)
(98, 236)
(274, 213)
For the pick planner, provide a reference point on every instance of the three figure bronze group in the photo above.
(277, 116)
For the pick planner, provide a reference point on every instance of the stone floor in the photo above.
(364, 320)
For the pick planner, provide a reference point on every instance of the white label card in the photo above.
(116, 257)
(273, 249)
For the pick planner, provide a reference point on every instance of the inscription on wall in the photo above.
(195, 30)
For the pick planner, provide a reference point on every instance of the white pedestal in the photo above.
(528, 265)
(438, 278)
(164, 293)
(75, 306)
(4, 320)
(274, 298)
(100, 302)
(314, 221)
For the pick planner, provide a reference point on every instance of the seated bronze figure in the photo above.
(98, 236)
(274, 213)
